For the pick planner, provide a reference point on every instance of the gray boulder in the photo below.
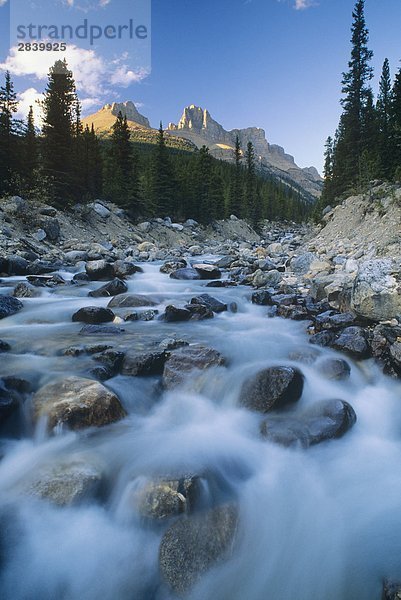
(164, 498)
(93, 315)
(376, 294)
(301, 264)
(66, 483)
(189, 360)
(112, 288)
(325, 420)
(193, 545)
(144, 365)
(185, 274)
(272, 388)
(99, 270)
(9, 306)
(78, 403)
(130, 301)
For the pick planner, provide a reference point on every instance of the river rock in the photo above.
(66, 483)
(112, 288)
(266, 278)
(193, 545)
(4, 346)
(181, 363)
(16, 265)
(49, 281)
(9, 306)
(165, 498)
(99, 270)
(335, 369)
(272, 388)
(199, 312)
(25, 290)
(9, 400)
(101, 210)
(301, 264)
(323, 338)
(74, 256)
(173, 314)
(51, 227)
(331, 320)
(185, 274)
(112, 361)
(207, 271)
(93, 315)
(123, 269)
(130, 301)
(262, 298)
(352, 341)
(144, 365)
(173, 265)
(103, 330)
(225, 262)
(77, 402)
(324, 420)
(141, 315)
(212, 303)
(376, 294)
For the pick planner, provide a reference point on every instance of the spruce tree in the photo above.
(121, 181)
(395, 120)
(236, 194)
(383, 107)
(30, 153)
(252, 205)
(351, 142)
(8, 150)
(162, 179)
(59, 118)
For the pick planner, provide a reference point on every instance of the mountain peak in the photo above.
(127, 109)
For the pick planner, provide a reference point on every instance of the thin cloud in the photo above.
(3, 2)
(304, 4)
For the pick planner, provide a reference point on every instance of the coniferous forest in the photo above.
(64, 163)
(367, 142)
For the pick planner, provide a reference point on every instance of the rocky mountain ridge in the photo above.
(197, 128)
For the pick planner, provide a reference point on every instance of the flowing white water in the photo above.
(318, 524)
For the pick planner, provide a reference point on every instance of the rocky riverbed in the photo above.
(164, 433)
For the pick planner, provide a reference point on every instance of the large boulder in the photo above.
(93, 315)
(99, 270)
(352, 341)
(173, 265)
(193, 545)
(112, 288)
(207, 271)
(25, 290)
(272, 388)
(325, 420)
(144, 365)
(123, 269)
(174, 314)
(301, 264)
(212, 303)
(185, 274)
(65, 483)
(9, 306)
(164, 498)
(77, 403)
(188, 360)
(376, 294)
(130, 301)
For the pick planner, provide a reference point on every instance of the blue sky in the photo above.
(274, 64)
